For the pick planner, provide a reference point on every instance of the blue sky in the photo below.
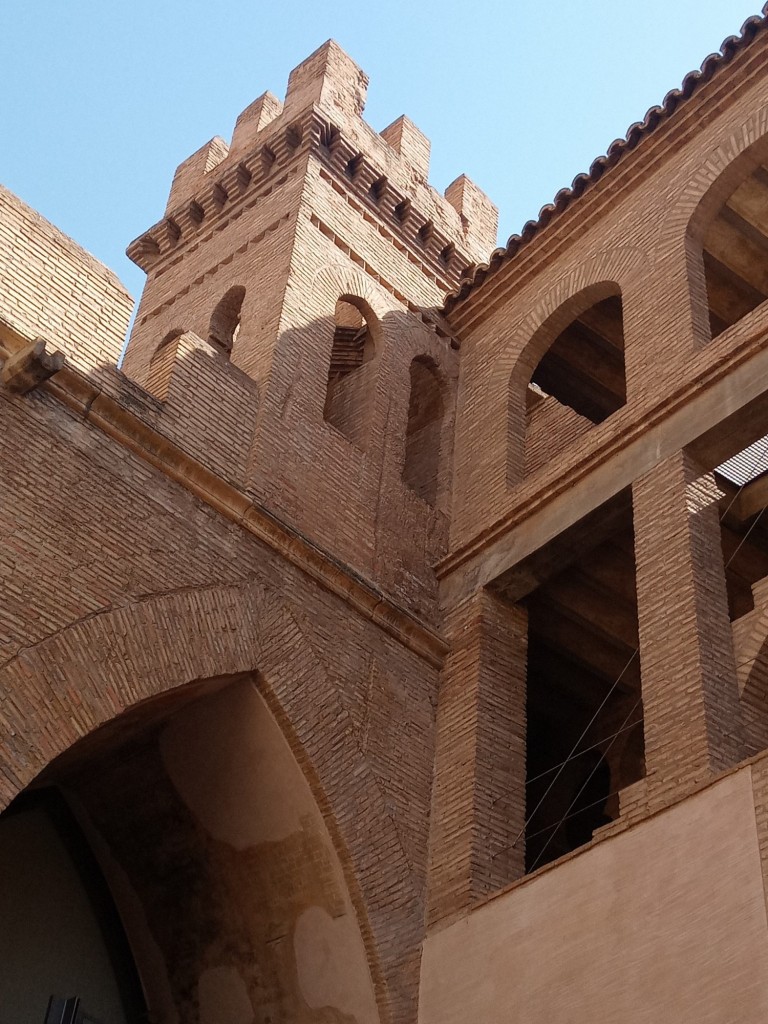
(101, 100)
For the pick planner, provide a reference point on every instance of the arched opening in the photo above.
(349, 388)
(225, 320)
(578, 382)
(421, 467)
(61, 939)
(161, 364)
(219, 862)
(733, 232)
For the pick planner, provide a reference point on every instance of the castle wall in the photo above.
(692, 402)
(196, 521)
(117, 536)
(308, 205)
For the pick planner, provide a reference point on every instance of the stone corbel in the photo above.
(30, 366)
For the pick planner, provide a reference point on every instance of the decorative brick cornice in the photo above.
(406, 225)
(225, 194)
(268, 230)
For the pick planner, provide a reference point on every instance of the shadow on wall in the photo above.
(220, 864)
(349, 440)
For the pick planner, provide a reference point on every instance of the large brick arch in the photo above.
(57, 692)
(700, 195)
(610, 272)
(722, 167)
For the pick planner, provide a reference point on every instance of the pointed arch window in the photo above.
(734, 241)
(578, 382)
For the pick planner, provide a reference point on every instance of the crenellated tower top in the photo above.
(321, 113)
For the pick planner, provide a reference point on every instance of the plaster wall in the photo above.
(211, 825)
(665, 922)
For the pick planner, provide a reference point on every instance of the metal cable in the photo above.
(583, 787)
(576, 747)
(575, 752)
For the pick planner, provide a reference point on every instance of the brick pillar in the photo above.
(478, 799)
(690, 695)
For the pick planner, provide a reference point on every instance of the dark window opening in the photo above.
(584, 368)
(744, 536)
(579, 382)
(423, 432)
(736, 253)
(348, 389)
(225, 321)
(62, 934)
(584, 707)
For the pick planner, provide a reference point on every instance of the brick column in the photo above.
(690, 695)
(478, 799)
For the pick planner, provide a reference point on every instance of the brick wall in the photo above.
(51, 287)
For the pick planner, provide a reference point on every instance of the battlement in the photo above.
(321, 114)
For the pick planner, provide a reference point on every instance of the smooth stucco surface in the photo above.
(665, 923)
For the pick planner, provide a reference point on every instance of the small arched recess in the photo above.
(349, 389)
(569, 377)
(728, 243)
(225, 320)
(423, 434)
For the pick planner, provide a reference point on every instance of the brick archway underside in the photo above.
(61, 690)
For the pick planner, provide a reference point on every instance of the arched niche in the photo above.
(225, 320)
(349, 388)
(218, 860)
(727, 242)
(570, 377)
(424, 428)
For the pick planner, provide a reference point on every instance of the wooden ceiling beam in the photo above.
(605, 659)
(730, 297)
(750, 201)
(573, 543)
(605, 320)
(600, 613)
(730, 245)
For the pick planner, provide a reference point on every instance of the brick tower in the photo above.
(286, 318)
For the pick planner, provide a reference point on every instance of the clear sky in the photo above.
(101, 99)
